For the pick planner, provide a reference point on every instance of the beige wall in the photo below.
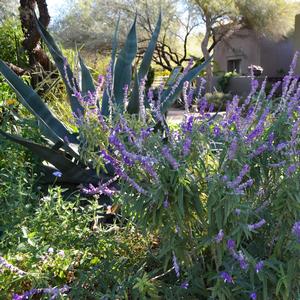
(296, 39)
(242, 45)
(273, 56)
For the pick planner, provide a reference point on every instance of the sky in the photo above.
(57, 7)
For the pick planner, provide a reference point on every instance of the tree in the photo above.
(8, 9)
(273, 18)
(91, 23)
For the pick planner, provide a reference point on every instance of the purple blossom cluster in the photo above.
(5, 264)
(53, 293)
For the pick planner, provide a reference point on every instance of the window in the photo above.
(234, 65)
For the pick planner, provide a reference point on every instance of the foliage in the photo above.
(225, 80)
(221, 194)
(10, 36)
(84, 94)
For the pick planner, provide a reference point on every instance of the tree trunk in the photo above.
(31, 42)
(205, 51)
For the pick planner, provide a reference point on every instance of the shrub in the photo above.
(220, 194)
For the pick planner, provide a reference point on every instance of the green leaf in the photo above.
(123, 68)
(133, 105)
(105, 98)
(72, 172)
(168, 98)
(64, 69)
(32, 101)
(87, 84)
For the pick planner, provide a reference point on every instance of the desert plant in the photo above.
(64, 150)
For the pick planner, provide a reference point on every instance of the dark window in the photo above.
(234, 65)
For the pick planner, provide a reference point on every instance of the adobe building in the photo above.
(245, 48)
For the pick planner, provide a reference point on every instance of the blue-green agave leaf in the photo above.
(87, 83)
(167, 100)
(32, 101)
(105, 98)
(133, 105)
(63, 68)
(123, 68)
(72, 172)
(146, 62)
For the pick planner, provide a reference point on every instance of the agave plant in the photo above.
(62, 146)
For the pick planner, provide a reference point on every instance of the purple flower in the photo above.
(240, 257)
(256, 225)
(50, 250)
(184, 285)
(4, 263)
(262, 148)
(176, 266)
(237, 211)
(281, 146)
(291, 169)
(219, 237)
(166, 203)
(296, 230)
(166, 153)
(53, 292)
(232, 149)
(57, 173)
(253, 296)
(226, 277)
(216, 131)
(259, 266)
(233, 184)
(187, 146)
(231, 244)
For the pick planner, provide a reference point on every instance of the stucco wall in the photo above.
(242, 45)
(276, 56)
(273, 56)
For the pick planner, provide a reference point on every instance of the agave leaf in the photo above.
(146, 62)
(133, 105)
(72, 172)
(64, 69)
(105, 98)
(31, 100)
(167, 100)
(87, 84)
(123, 68)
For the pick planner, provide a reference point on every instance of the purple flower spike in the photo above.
(176, 266)
(219, 236)
(226, 277)
(231, 244)
(166, 203)
(259, 266)
(256, 225)
(184, 285)
(57, 173)
(253, 296)
(172, 161)
(296, 230)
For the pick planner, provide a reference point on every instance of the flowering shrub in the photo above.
(210, 208)
(220, 192)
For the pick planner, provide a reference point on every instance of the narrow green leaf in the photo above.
(133, 105)
(105, 98)
(123, 68)
(168, 98)
(72, 172)
(32, 101)
(87, 84)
